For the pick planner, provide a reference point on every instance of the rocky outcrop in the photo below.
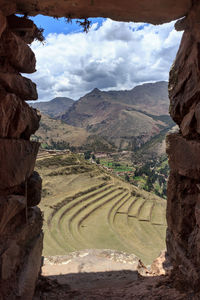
(161, 265)
(20, 187)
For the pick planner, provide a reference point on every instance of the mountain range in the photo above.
(55, 107)
(122, 120)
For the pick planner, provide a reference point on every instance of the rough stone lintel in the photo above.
(151, 11)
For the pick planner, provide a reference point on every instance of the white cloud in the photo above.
(116, 56)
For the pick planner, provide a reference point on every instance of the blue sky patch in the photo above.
(53, 25)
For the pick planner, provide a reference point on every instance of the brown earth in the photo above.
(104, 274)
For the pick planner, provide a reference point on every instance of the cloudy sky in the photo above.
(112, 56)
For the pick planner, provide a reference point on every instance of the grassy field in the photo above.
(86, 207)
(116, 167)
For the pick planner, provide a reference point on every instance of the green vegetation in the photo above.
(152, 176)
(98, 161)
(93, 209)
(116, 166)
(87, 154)
(97, 143)
(60, 145)
(126, 177)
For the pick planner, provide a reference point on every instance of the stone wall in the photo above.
(183, 148)
(20, 187)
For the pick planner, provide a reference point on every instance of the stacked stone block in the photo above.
(20, 187)
(183, 148)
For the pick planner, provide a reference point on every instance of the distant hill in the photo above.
(106, 121)
(151, 98)
(126, 119)
(55, 134)
(54, 107)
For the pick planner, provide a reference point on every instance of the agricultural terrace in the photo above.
(86, 207)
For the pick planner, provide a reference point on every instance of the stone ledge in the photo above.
(184, 155)
(17, 161)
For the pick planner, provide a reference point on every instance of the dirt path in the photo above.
(91, 269)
